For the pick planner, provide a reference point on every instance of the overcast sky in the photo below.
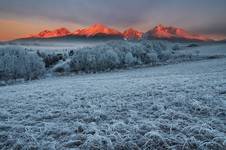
(18, 17)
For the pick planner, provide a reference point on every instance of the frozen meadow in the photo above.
(176, 106)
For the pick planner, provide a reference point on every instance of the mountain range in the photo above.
(162, 32)
(103, 32)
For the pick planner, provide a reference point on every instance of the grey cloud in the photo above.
(188, 13)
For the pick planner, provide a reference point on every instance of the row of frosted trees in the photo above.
(119, 55)
(16, 62)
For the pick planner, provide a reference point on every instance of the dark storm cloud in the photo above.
(191, 14)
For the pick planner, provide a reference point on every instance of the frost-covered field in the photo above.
(180, 106)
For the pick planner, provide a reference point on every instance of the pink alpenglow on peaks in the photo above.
(95, 30)
(132, 34)
(158, 32)
(54, 33)
(161, 31)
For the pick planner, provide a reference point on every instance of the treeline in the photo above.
(16, 62)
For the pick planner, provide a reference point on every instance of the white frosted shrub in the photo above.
(15, 62)
(164, 55)
(88, 59)
(129, 59)
(111, 59)
(62, 66)
(151, 58)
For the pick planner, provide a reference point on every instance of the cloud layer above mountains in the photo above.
(204, 16)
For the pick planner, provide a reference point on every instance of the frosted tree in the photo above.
(15, 62)
(129, 59)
